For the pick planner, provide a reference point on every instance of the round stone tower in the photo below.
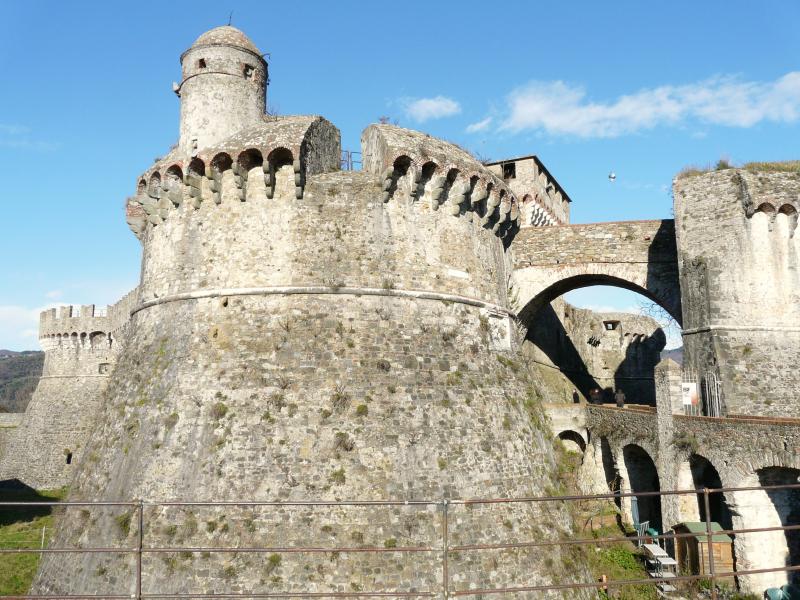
(223, 90)
(304, 333)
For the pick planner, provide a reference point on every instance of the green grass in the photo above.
(21, 527)
(619, 561)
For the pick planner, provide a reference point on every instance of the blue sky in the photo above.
(642, 89)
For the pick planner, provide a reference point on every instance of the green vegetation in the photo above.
(21, 527)
(219, 410)
(338, 477)
(123, 521)
(619, 561)
(788, 166)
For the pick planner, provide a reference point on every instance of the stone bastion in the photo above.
(301, 333)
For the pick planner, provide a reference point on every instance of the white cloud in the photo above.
(424, 109)
(480, 125)
(558, 108)
(17, 137)
(54, 294)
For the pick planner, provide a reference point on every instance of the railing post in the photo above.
(709, 541)
(445, 552)
(139, 546)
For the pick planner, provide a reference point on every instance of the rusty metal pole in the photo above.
(709, 541)
(139, 546)
(445, 551)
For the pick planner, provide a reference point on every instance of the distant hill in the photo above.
(675, 354)
(19, 374)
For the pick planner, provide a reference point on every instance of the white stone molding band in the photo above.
(709, 328)
(324, 290)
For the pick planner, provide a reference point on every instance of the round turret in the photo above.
(223, 90)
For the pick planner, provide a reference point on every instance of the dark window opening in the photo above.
(610, 325)
(509, 170)
(248, 71)
(69, 458)
(103, 368)
(201, 64)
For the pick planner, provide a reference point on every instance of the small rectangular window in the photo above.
(611, 325)
(509, 170)
(201, 64)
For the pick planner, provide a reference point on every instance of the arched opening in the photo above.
(572, 441)
(250, 163)
(785, 547)
(98, 340)
(598, 343)
(399, 180)
(173, 183)
(642, 476)
(197, 167)
(250, 159)
(281, 173)
(705, 475)
(141, 188)
(154, 187)
(426, 174)
(221, 163)
(786, 220)
(174, 177)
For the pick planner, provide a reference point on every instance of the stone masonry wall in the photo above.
(336, 346)
(739, 258)
(577, 351)
(636, 255)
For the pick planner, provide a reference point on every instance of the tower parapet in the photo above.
(440, 174)
(739, 259)
(270, 160)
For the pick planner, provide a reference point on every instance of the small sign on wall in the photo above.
(689, 394)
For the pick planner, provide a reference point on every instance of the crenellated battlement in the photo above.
(86, 326)
(271, 160)
(440, 174)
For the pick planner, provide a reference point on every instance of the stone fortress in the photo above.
(303, 332)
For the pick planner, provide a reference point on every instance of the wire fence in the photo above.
(440, 550)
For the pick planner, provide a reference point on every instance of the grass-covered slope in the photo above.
(23, 527)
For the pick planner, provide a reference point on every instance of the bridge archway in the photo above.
(640, 475)
(572, 441)
(640, 256)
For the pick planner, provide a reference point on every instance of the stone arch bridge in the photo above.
(642, 449)
(636, 255)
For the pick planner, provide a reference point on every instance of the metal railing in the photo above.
(351, 161)
(442, 547)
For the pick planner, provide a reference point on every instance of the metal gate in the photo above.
(708, 394)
